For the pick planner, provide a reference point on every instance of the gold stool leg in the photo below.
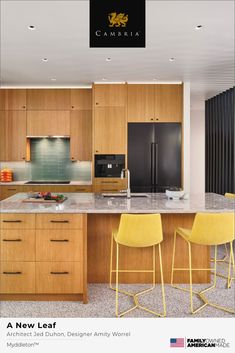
(201, 293)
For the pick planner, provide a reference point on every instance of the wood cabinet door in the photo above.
(140, 103)
(81, 99)
(48, 123)
(48, 99)
(110, 130)
(17, 277)
(7, 191)
(17, 245)
(2, 136)
(15, 130)
(113, 95)
(169, 103)
(12, 99)
(81, 135)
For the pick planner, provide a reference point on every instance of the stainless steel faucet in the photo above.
(126, 173)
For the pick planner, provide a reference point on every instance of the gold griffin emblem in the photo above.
(117, 20)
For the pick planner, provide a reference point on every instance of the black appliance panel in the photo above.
(109, 165)
(154, 156)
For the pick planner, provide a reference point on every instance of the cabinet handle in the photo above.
(80, 189)
(11, 239)
(59, 240)
(109, 182)
(110, 190)
(23, 157)
(72, 106)
(12, 273)
(52, 221)
(24, 106)
(11, 189)
(151, 119)
(157, 119)
(59, 273)
(97, 151)
(97, 103)
(16, 221)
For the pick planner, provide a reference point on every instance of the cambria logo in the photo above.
(117, 23)
(117, 20)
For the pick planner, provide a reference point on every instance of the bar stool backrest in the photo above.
(213, 228)
(140, 230)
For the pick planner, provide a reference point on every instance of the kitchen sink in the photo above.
(123, 194)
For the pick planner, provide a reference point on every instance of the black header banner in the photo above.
(117, 23)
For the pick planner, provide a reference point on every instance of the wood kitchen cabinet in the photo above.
(169, 103)
(110, 95)
(140, 107)
(155, 103)
(50, 257)
(110, 130)
(109, 184)
(13, 135)
(81, 99)
(12, 99)
(48, 123)
(48, 99)
(81, 135)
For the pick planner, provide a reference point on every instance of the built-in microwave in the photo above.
(109, 165)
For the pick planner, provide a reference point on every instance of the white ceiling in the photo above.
(205, 57)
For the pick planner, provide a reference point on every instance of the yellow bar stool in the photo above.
(226, 255)
(208, 229)
(138, 231)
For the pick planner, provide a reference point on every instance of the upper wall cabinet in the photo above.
(13, 136)
(81, 135)
(48, 123)
(140, 105)
(169, 103)
(81, 99)
(12, 99)
(48, 99)
(110, 130)
(155, 103)
(110, 95)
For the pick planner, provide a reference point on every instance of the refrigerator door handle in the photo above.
(156, 164)
(153, 163)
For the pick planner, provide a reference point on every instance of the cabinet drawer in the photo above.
(17, 245)
(59, 277)
(59, 221)
(17, 277)
(109, 185)
(59, 245)
(17, 221)
(81, 188)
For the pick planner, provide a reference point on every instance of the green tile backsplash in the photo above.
(50, 161)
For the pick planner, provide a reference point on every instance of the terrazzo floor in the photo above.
(102, 303)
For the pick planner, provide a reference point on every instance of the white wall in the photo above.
(186, 137)
(197, 151)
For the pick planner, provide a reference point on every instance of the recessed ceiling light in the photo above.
(154, 79)
(172, 59)
(53, 79)
(108, 59)
(45, 60)
(104, 79)
(31, 27)
(198, 27)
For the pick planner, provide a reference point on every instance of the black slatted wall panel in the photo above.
(220, 154)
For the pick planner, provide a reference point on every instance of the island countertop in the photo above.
(95, 203)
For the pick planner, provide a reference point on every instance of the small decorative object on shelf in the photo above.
(6, 175)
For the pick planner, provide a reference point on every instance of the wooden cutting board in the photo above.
(33, 200)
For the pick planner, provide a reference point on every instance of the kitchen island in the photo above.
(68, 244)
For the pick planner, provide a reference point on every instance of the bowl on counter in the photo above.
(175, 194)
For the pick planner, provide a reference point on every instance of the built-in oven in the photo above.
(109, 165)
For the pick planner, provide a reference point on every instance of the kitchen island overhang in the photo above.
(101, 215)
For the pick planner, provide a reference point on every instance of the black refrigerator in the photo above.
(154, 156)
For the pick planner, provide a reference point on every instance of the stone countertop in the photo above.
(96, 203)
(23, 182)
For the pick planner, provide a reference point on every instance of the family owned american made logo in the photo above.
(181, 342)
(117, 23)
